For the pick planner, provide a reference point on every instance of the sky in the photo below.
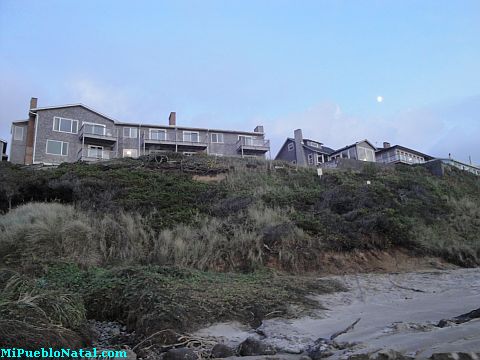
(315, 65)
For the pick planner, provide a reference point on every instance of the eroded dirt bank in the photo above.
(397, 311)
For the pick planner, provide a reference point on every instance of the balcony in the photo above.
(176, 141)
(400, 158)
(93, 154)
(251, 146)
(98, 134)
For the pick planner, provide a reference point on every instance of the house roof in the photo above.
(144, 125)
(4, 141)
(354, 144)
(323, 149)
(427, 157)
(20, 121)
(73, 105)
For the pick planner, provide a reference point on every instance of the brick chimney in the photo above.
(33, 103)
(299, 153)
(386, 145)
(172, 119)
(30, 133)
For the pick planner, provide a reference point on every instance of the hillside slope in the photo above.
(235, 214)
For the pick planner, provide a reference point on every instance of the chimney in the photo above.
(386, 145)
(33, 102)
(258, 129)
(299, 153)
(172, 119)
(30, 133)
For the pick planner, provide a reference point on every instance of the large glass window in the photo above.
(65, 125)
(190, 136)
(156, 134)
(94, 129)
(95, 152)
(246, 140)
(55, 147)
(352, 153)
(370, 155)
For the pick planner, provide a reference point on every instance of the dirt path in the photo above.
(397, 311)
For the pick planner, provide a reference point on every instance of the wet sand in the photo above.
(397, 311)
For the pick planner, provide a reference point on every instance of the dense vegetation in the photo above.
(160, 212)
(178, 242)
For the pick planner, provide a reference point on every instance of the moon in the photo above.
(379, 99)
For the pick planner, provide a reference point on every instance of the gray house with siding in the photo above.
(361, 150)
(69, 133)
(303, 152)
(400, 154)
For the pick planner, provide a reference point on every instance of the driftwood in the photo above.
(460, 319)
(349, 328)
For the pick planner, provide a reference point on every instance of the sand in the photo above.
(398, 311)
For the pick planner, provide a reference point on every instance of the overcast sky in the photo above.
(316, 65)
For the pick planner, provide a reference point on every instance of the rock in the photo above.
(445, 322)
(180, 354)
(222, 351)
(252, 347)
(321, 349)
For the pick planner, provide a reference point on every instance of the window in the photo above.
(314, 144)
(291, 146)
(130, 153)
(310, 159)
(156, 134)
(245, 140)
(130, 132)
(55, 147)
(217, 138)
(190, 136)
(94, 129)
(352, 154)
(95, 152)
(320, 159)
(365, 154)
(18, 133)
(65, 125)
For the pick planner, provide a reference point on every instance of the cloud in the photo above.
(327, 123)
(15, 93)
(112, 100)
